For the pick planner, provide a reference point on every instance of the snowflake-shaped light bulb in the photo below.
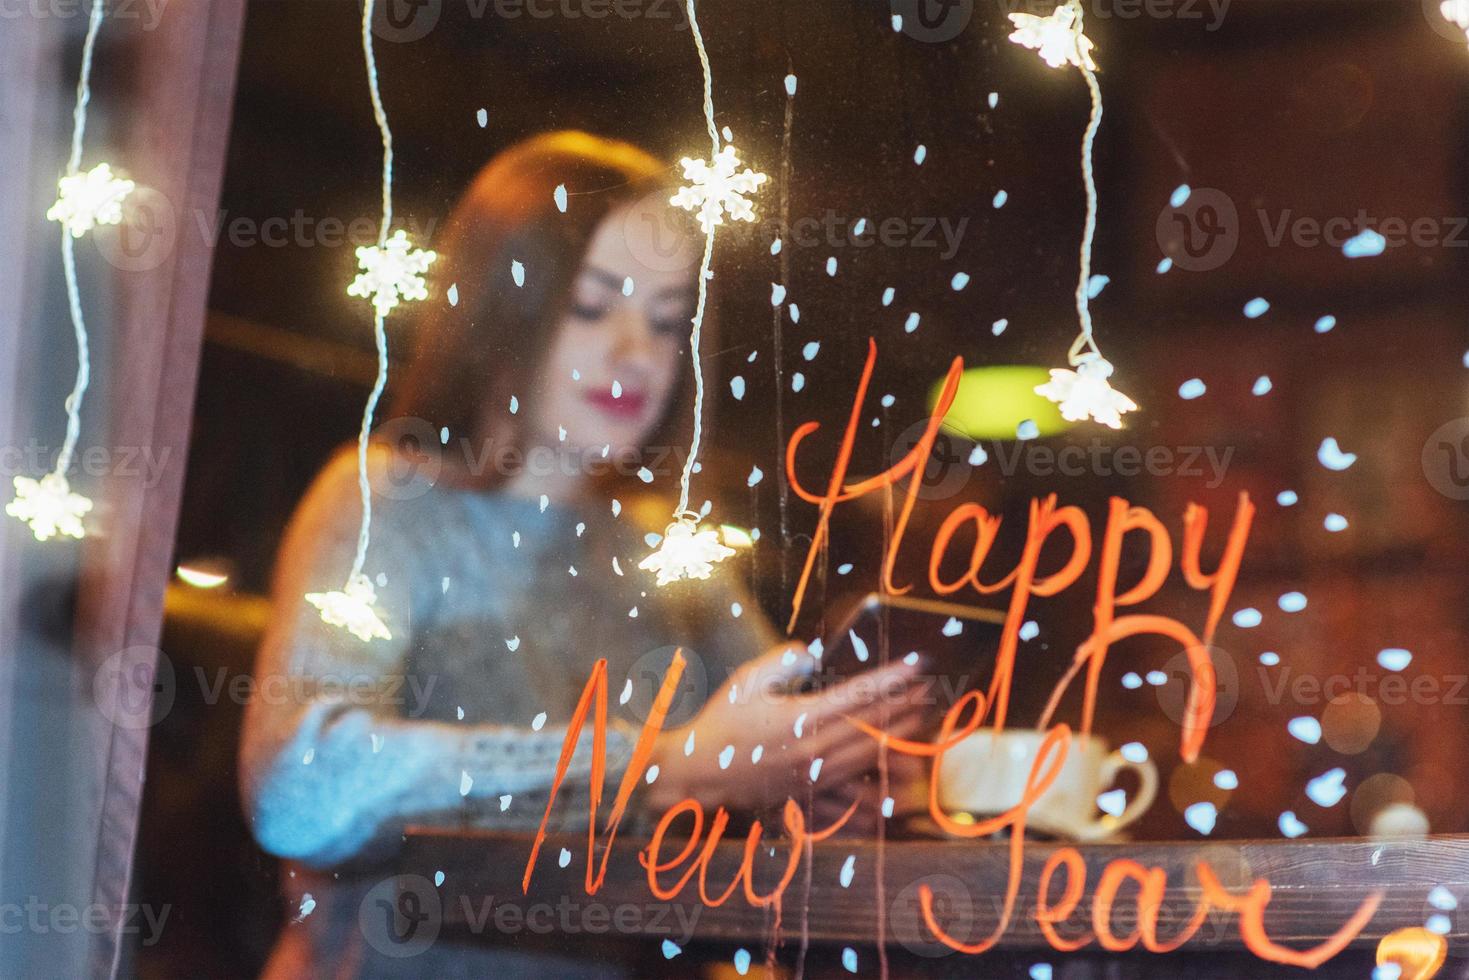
(718, 189)
(1058, 38)
(391, 273)
(686, 552)
(1087, 392)
(88, 199)
(49, 506)
(354, 609)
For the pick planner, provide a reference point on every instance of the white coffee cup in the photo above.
(985, 775)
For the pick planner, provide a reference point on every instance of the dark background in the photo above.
(1304, 108)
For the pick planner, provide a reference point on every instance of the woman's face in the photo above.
(615, 358)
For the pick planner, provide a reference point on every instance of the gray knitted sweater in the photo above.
(499, 608)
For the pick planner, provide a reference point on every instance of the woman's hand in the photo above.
(761, 713)
(907, 787)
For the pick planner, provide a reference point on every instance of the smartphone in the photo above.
(956, 643)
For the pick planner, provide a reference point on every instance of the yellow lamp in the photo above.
(992, 402)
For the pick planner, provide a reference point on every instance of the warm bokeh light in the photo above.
(736, 537)
(202, 576)
(993, 402)
(1418, 953)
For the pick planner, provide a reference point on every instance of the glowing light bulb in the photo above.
(201, 577)
(391, 273)
(49, 506)
(1087, 392)
(717, 189)
(1456, 12)
(88, 199)
(686, 552)
(1058, 38)
(354, 609)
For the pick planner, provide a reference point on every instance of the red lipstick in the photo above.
(630, 405)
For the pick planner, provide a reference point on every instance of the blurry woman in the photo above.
(507, 567)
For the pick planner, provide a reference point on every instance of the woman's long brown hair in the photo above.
(470, 358)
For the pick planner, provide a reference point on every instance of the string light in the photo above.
(90, 199)
(84, 200)
(1085, 390)
(716, 189)
(391, 272)
(686, 552)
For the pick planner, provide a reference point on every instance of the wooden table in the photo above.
(1318, 885)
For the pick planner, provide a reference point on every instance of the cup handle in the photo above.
(1137, 805)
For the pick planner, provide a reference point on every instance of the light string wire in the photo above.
(1085, 341)
(68, 249)
(380, 338)
(704, 267)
